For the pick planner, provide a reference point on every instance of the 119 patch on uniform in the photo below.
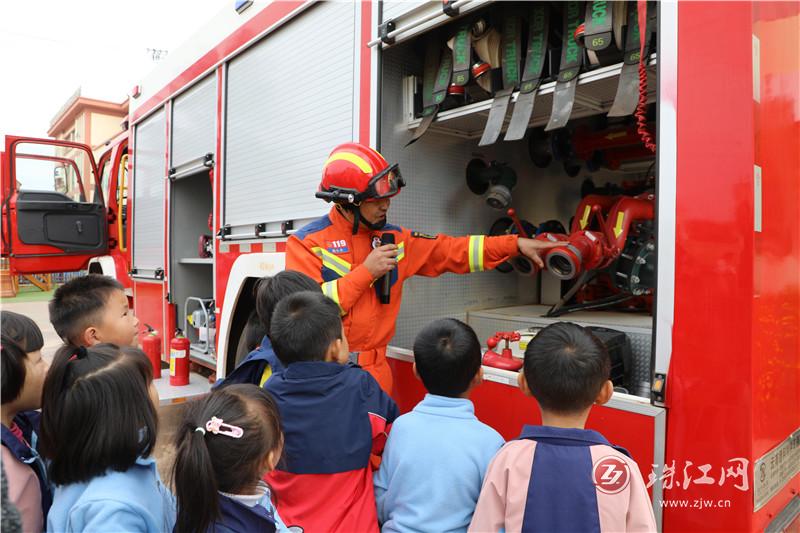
(420, 235)
(337, 247)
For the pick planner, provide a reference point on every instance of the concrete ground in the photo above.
(34, 305)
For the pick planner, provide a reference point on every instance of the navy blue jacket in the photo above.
(334, 416)
(236, 517)
(28, 422)
(251, 369)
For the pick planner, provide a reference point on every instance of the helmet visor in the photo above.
(386, 184)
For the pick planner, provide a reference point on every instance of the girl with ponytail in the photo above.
(99, 426)
(228, 440)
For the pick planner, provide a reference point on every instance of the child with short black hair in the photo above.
(334, 416)
(555, 466)
(262, 362)
(228, 440)
(437, 454)
(23, 374)
(92, 309)
(99, 427)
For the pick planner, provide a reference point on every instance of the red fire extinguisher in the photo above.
(151, 345)
(179, 359)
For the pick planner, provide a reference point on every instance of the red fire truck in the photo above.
(661, 141)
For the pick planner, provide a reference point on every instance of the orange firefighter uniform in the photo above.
(329, 252)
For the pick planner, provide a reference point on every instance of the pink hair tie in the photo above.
(79, 353)
(218, 427)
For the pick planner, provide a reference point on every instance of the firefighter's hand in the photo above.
(533, 249)
(381, 260)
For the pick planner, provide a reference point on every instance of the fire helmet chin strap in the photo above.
(355, 210)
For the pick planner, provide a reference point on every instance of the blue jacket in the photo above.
(433, 467)
(256, 368)
(28, 422)
(134, 500)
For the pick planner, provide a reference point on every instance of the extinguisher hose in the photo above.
(641, 108)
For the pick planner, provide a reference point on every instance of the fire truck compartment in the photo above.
(437, 199)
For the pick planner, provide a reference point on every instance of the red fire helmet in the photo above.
(355, 173)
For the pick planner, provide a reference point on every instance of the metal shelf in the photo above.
(196, 261)
(594, 95)
(206, 359)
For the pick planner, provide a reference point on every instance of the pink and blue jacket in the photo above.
(562, 479)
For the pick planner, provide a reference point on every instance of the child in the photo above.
(437, 455)
(99, 426)
(557, 476)
(23, 373)
(334, 415)
(261, 363)
(92, 309)
(227, 441)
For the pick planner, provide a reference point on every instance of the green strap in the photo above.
(510, 59)
(632, 44)
(462, 55)
(537, 47)
(599, 28)
(443, 75)
(571, 56)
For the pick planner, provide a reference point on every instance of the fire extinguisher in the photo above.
(151, 345)
(179, 359)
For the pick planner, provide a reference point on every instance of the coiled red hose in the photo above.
(641, 107)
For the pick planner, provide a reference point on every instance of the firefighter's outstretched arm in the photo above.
(473, 253)
(348, 288)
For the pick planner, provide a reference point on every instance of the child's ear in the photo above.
(336, 352)
(605, 393)
(477, 379)
(414, 369)
(523, 384)
(89, 337)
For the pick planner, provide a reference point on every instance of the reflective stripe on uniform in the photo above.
(331, 290)
(332, 261)
(476, 253)
(401, 251)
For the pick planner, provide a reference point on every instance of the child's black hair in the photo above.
(78, 304)
(22, 330)
(96, 411)
(303, 326)
(14, 370)
(251, 337)
(20, 337)
(448, 355)
(565, 367)
(271, 290)
(207, 463)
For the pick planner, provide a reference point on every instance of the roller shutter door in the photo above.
(148, 183)
(194, 122)
(289, 102)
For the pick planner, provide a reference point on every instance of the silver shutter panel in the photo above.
(289, 102)
(194, 122)
(148, 185)
(397, 8)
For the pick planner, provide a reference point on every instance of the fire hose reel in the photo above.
(495, 180)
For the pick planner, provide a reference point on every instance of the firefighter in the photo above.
(342, 251)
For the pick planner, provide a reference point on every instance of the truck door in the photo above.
(53, 214)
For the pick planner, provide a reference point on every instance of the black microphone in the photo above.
(386, 238)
